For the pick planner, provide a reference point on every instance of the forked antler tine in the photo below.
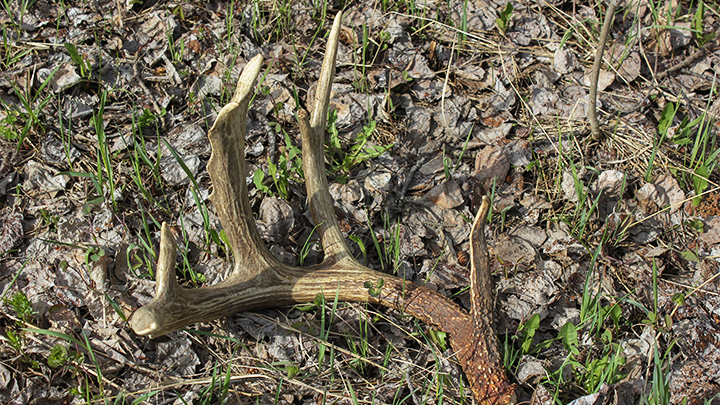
(174, 307)
(473, 336)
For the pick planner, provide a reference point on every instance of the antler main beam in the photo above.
(258, 280)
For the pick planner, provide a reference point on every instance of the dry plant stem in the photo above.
(260, 281)
(595, 74)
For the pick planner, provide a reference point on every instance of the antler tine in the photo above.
(327, 74)
(145, 322)
(227, 171)
(174, 307)
(313, 137)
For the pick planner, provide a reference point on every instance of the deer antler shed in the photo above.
(258, 280)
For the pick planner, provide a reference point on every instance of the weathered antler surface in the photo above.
(260, 281)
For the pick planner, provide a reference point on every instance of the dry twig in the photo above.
(595, 74)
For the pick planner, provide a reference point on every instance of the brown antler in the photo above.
(258, 280)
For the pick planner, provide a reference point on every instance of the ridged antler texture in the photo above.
(258, 280)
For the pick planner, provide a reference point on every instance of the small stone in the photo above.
(378, 182)
(174, 174)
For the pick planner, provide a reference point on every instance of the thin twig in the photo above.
(592, 112)
(687, 61)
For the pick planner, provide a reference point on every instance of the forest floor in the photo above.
(605, 251)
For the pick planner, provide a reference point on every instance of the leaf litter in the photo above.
(104, 119)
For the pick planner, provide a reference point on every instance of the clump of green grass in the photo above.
(358, 152)
(24, 315)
